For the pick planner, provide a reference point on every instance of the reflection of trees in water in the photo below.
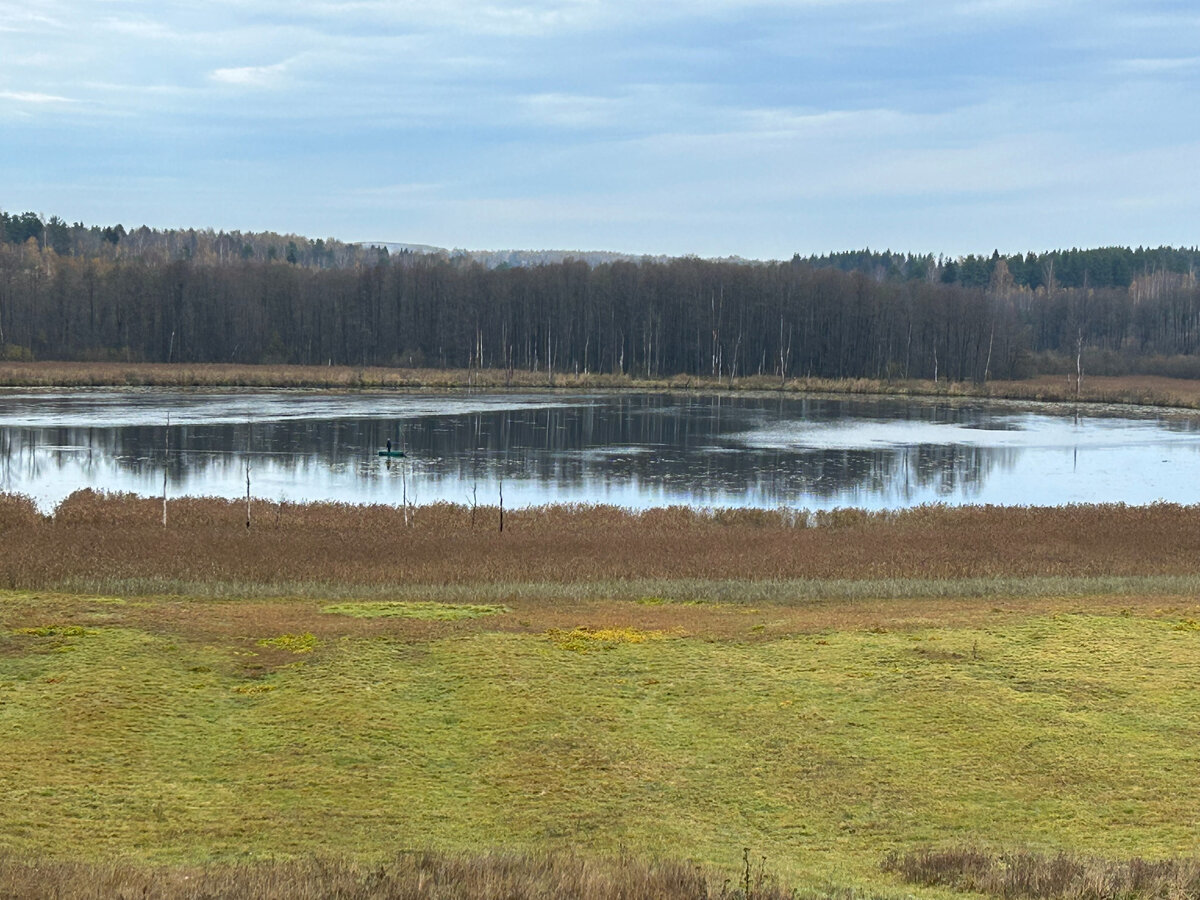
(7, 453)
(681, 447)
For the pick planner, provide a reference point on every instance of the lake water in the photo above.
(634, 450)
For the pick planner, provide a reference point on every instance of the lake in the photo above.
(632, 450)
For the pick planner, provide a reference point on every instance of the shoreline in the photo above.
(1133, 390)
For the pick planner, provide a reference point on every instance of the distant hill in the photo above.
(495, 259)
(393, 247)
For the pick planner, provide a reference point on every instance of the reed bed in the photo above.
(406, 876)
(1144, 390)
(94, 539)
(202, 375)
(1047, 876)
(1123, 390)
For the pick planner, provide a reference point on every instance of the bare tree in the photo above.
(1078, 363)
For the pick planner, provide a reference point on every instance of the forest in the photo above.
(90, 293)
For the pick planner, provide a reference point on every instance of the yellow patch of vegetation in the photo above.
(582, 640)
(256, 688)
(53, 631)
(294, 643)
(416, 609)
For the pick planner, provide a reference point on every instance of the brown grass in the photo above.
(419, 876)
(95, 539)
(1146, 390)
(184, 375)
(553, 617)
(1037, 875)
(1136, 389)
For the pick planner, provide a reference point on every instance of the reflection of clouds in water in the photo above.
(1028, 431)
(631, 450)
(127, 409)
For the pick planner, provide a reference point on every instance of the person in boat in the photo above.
(389, 445)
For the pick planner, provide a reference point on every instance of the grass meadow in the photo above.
(593, 702)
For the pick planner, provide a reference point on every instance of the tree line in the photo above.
(1103, 267)
(72, 292)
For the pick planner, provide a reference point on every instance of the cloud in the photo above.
(1158, 65)
(33, 97)
(572, 110)
(498, 17)
(262, 77)
(831, 123)
(142, 29)
(17, 18)
(1009, 8)
(653, 124)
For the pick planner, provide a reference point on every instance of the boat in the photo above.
(392, 454)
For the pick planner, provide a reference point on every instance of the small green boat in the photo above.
(392, 454)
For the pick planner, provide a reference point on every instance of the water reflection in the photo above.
(633, 450)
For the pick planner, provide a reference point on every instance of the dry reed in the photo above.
(1039, 875)
(95, 539)
(1130, 389)
(199, 375)
(407, 876)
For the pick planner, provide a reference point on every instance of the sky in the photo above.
(707, 127)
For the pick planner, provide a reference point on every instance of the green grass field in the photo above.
(174, 730)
